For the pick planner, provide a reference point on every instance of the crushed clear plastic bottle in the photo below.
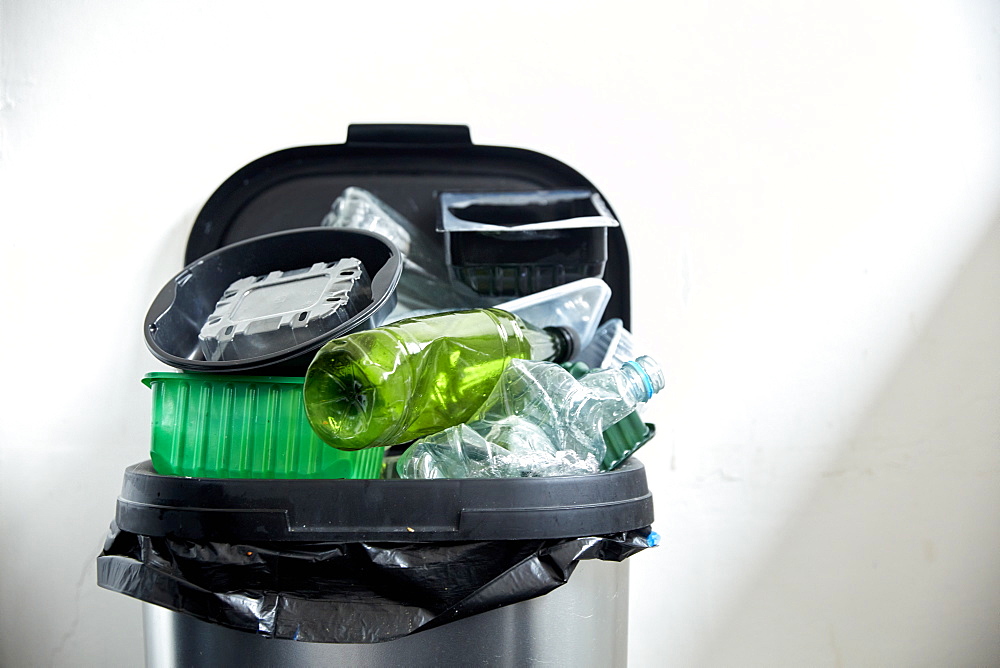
(611, 346)
(425, 286)
(538, 421)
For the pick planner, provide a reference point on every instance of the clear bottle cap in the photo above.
(650, 374)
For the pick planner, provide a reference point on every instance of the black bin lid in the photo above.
(237, 510)
(405, 166)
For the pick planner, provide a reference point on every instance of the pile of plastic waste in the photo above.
(481, 390)
(454, 367)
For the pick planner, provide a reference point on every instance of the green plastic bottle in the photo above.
(415, 377)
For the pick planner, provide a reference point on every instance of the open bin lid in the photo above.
(405, 166)
(236, 510)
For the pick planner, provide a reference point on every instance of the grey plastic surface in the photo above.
(258, 315)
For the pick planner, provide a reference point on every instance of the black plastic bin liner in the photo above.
(362, 561)
(345, 592)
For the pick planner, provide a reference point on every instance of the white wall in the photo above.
(811, 192)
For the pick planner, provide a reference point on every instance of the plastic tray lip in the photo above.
(182, 375)
(356, 510)
(450, 222)
(383, 299)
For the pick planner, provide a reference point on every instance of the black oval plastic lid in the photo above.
(178, 312)
(232, 510)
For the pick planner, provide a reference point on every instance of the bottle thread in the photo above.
(647, 383)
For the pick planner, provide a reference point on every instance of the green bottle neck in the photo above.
(552, 344)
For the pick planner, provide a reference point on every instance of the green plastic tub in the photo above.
(226, 426)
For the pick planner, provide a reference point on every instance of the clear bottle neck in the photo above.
(643, 378)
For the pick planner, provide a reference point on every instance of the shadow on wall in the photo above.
(894, 558)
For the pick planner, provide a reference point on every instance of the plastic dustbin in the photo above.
(374, 572)
(380, 572)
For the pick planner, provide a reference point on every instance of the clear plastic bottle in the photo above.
(414, 377)
(612, 345)
(538, 421)
(425, 284)
(356, 208)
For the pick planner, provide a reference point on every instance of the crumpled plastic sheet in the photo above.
(510, 447)
(345, 592)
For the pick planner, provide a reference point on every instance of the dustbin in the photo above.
(390, 572)
(380, 572)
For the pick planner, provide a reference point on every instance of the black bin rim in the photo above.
(310, 510)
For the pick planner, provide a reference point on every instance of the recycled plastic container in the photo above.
(228, 426)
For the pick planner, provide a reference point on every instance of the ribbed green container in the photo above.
(224, 426)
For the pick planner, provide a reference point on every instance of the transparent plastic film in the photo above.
(260, 315)
(425, 285)
(611, 346)
(538, 421)
(578, 305)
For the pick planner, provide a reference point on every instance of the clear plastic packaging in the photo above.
(414, 377)
(538, 421)
(259, 315)
(578, 305)
(425, 284)
(611, 346)
(358, 209)
(623, 439)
